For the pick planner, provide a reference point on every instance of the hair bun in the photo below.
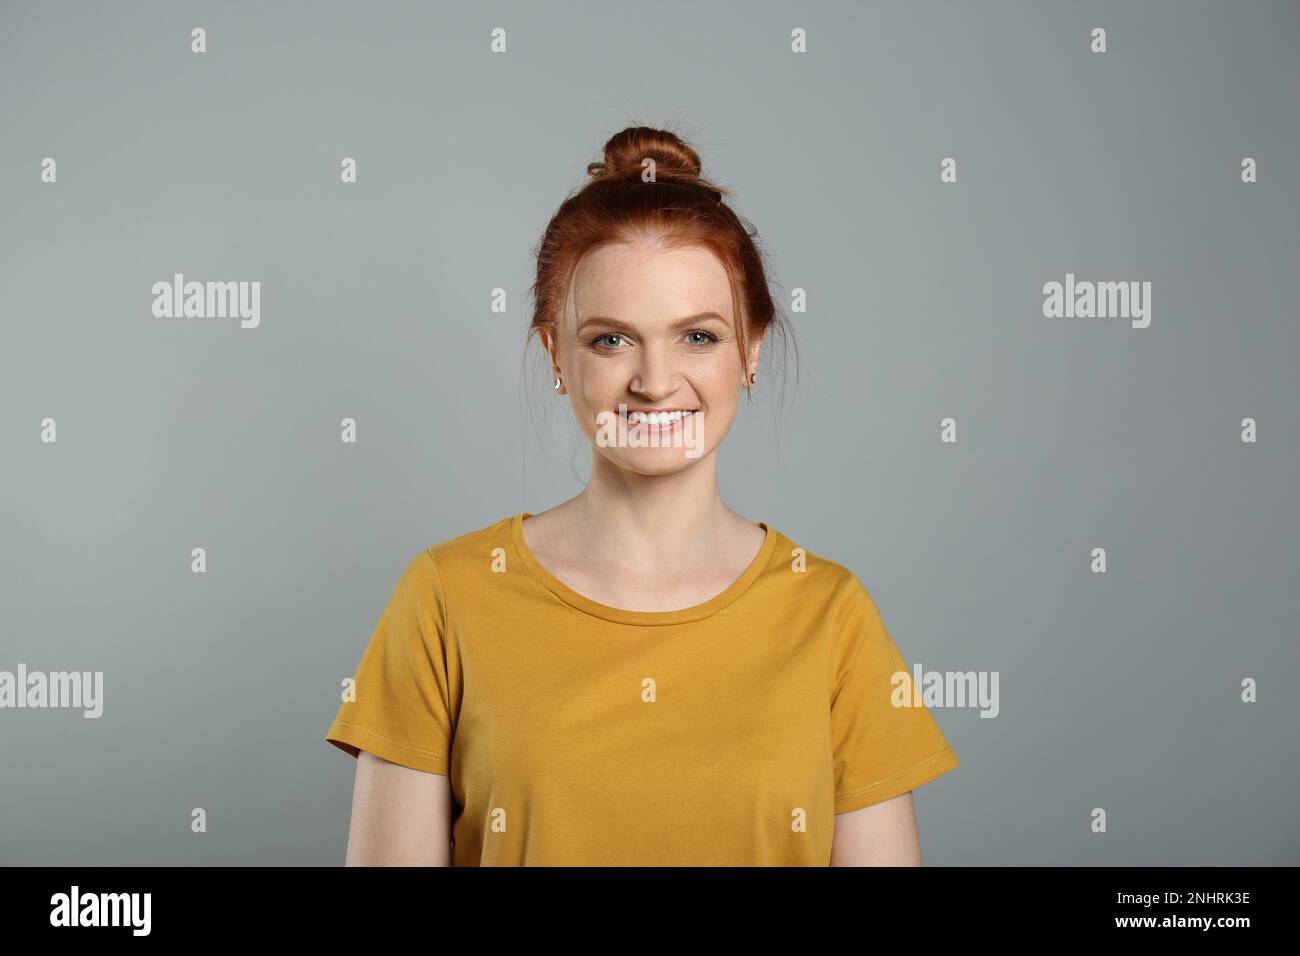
(626, 151)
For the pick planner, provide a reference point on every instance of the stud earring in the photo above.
(753, 377)
(557, 383)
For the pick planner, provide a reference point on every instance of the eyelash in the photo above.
(712, 338)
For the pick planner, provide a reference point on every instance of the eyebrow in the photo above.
(615, 323)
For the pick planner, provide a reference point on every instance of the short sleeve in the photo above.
(880, 750)
(402, 708)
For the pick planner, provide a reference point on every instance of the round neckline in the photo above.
(621, 615)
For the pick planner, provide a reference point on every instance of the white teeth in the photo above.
(655, 418)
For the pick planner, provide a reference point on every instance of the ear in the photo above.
(755, 349)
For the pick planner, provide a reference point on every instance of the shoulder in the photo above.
(462, 561)
(843, 607)
(817, 576)
(473, 548)
(425, 573)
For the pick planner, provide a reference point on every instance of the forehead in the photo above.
(647, 283)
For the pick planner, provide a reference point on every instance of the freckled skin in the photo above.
(652, 365)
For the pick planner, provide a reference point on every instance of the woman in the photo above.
(639, 675)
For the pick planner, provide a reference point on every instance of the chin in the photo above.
(658, 461)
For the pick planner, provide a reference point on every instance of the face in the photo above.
(652, 330)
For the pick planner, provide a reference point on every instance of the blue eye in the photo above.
(710, 337)
(603, 340)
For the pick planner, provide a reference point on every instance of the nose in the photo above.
(654, 377)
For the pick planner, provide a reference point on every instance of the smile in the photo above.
(651, 428)
(658, 419)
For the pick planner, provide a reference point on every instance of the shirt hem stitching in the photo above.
(395, 743)
(905, 773)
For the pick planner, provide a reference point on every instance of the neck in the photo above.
(651, 520)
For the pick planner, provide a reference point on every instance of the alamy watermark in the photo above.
(73, 689)
(208, 300)
(946, 689)
(678, 428)
(102, 909)
(1100, 300)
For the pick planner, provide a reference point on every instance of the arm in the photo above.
(400, 816)
(883, 834)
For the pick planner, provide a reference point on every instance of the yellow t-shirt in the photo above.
(578, 734)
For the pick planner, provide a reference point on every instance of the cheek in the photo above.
(597, 381)
(719, 380)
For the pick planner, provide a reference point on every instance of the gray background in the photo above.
(1118, 690)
